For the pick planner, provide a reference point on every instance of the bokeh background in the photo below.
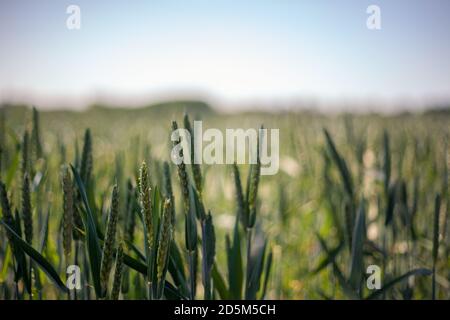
(236, 55)
(298, 66)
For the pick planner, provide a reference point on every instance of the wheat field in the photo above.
(96, 189)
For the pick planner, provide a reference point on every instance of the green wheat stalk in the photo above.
(110, 235)
(118, 273)
(68, 212)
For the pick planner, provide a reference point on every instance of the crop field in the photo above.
(93, 207)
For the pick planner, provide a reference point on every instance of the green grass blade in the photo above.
(235, 264)
(390, 284)
(37, 257)
(176, 267)
(267, 274)
(256, 269)
(219, 283)
(356, 269)
(135, 264)
(435, 253)
(341, 164)
(93, 244)
(44, 233)
(331, 255)
(386, 161)
(209, 253)
(345, 285)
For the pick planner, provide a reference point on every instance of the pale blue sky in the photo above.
(234, 51)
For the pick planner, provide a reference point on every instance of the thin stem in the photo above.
(248, 269)
(433, 293)
(76, 263)
(191, 274)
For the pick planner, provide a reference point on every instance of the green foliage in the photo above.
(359, 193)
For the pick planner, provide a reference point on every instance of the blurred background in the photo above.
(363, 115)
(235, 55)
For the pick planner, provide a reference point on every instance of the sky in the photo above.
(237, 53)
